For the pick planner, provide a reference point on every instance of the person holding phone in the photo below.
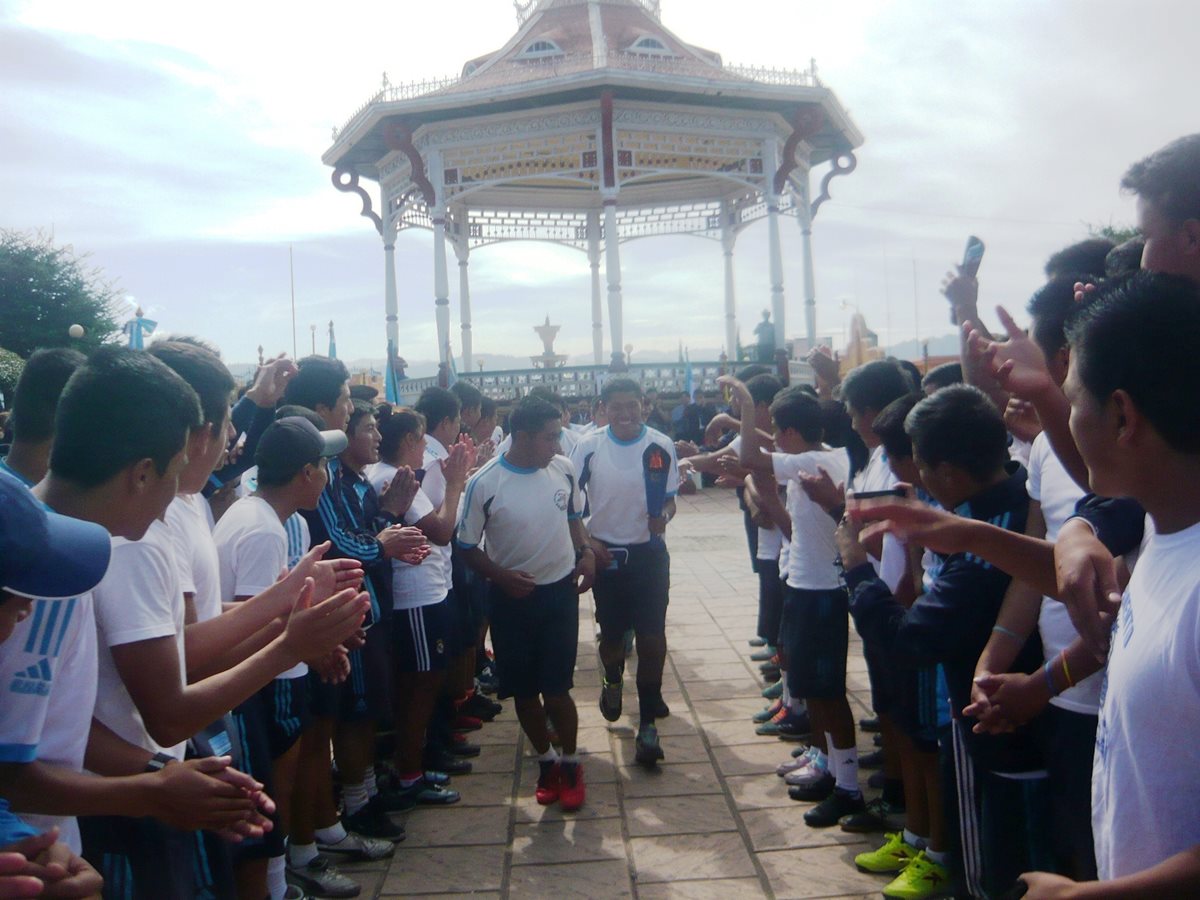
(630, 476)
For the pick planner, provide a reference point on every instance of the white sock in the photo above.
(571, 758)
(331, 835)
(276, 882)
(549, 756)
(830, 759)
(937, 856)
(786, 696)
(796, 706)
(845, 763)
(369, 782)
(355, 797)
(915, 840)
(300, 855)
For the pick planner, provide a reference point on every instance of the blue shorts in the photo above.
(143, 859)
(366, 694)
(250, 734)
(814, 634)
(421, 638)
(285, 712)
(535, 639)
(634, 595)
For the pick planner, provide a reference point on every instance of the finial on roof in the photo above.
(524, 8)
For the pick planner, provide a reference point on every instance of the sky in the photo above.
(179, 148)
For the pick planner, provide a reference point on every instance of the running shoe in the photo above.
(813, 793)
(832, 808)
(647, 749)
(796, 761)
(422, 793)
(572, 793)
(756, 642)
(871, 724)
(762, 655)
(878, 816)
(372, 821)
(815, 772)
(795, 727)
(463, 723)
(920, 879)
(357, 847)
(480, 707)
(893, 856)
(773, 691)
(610, 699)
(767, 714)
(872, 760)
(549, 784)
(660, 709)
(322, 879)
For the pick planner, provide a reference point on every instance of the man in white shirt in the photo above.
(630, 476)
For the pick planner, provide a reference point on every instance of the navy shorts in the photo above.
(366, 693)
(286, 714)
(535, 639)
(143, 859)
(421, 637)
(634, 595)
(881, 673)
(251, 734)
(814, 634)
(915, 706)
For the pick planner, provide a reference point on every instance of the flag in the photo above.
(137, 328)
(332, 343)
(391, 388)
(689, 385)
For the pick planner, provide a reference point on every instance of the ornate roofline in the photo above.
(527, 8)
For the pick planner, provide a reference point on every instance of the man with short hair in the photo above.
(630, 477)
(34, 404)
(526, 505)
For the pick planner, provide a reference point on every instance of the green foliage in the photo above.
(44, 290)
(1118, 234)
(11, 367)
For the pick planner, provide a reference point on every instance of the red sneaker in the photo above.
(571, 792)
(549, 786)
(467, 723)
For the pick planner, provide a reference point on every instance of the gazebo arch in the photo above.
(613, 130)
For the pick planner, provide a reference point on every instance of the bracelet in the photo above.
(159, 761)
(1067, 672)
(1008, 631)
(586, 548)
(1049, 678)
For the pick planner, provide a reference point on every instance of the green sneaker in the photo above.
(893, 856)
(920, 879)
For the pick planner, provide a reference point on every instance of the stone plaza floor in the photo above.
(713, 821)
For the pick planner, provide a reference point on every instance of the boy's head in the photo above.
(442, 413)
(363, 392)
(623, 403)
(35, 399)
(1167, 185)
(323, 385)
(799, 423)
(123, 421)
(543, 392)
(941, 376)
(402, 438)
(1049, 309)
(488, 408)
(292, 452)
(868, 389)
(1133, 379)
(1085, 257)
(46, 556)
(960, 444)
(536, 426)
(362, 433)
(470, 400)
(889, 427)
(763, 389)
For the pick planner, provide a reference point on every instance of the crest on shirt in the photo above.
(560, 499)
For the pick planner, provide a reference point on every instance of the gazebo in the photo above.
(594, 125)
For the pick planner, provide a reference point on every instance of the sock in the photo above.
(549, 756)
(846, 765)
(276, 882)
(893, 791)
(300, 855)
(331, 835)
(786, 696)
(408, 779)
(936, 856)
(914, 840)
(369, 782)
(648, 696)
(570, 759)
(796, 706)
(355, 797)
(830, 759)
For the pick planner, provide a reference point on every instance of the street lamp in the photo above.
(629, 354)
(480, 363)
(314, 339)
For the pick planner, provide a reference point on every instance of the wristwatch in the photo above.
(158, 761)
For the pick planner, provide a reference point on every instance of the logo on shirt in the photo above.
(34, 680)
(560, 499)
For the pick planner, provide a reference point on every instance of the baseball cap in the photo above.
(45, 555)
(291, 443)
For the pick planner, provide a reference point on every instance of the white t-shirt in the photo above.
(813, 550)
(525, 514)
(1051, 485)
(434, 487)
(428, 582)
(612, 473)
(248, 483)
(877, 475)
(568, 439)
(1145, 793)
(138, 600)
(189, 521)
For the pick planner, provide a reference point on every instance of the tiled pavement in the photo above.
(712, 821)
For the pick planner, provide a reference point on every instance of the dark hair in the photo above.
(799, 412)
(1086, 257)
(943, 376)
(889, 426)
(1140, 336)
(753, 370)
(838, 431)
(487, 408)
(1124, 259)
(123, 406)
(396, 427)
(1169, 178)
(763, 388)
(360, 409)
(1050, 307)
(437, 405)
(303, 412)
(38, 389)
(874, 385)
(468, 395)
(192, 361)
(363, 392)
(960, 426)
(548, 394)
(532, 413)
(911, 372)
(318, 382)
(620, 385)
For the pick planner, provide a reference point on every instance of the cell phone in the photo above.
(875, 495)
(972, 257)
(620, 558)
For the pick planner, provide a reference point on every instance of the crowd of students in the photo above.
(236, 639)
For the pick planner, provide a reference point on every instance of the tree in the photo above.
(11, 367)
(44, 290)
(1118, 234)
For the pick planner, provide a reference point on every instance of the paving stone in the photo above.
(585, 880)
(689, 814)
(689, 857)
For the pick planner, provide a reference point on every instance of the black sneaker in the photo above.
(879, 816)
(463, 750)
(813, 793)
(489, 683)
(795, 727)
(647, 750)
(372, 821)
(610, 699)
(872, 760)
(871, 724)
(838, 804)
(877, 740)
(441, 761)
(876, 781)
(320, 878)
(660, 708)
(770, 674)
(481, 707)
(421, 793)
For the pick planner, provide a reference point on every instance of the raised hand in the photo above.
(737, 390)
(1017, 364)
(459, 462)
(1087, 584)
(822, 490)
(911, 522)
(1021, 418)
(401, 540)
(825, 369)
(684, 449)
(271, 381)
(398, 495)
(962, 291)
(315, 629)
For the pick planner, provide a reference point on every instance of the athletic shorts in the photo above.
(464, 633)
(915, 706)
(770, 601)
(635, 595)
(881, 673)
(366, 693)
(421, 637)
(251, 734)
(535, 639)
(285, 709)
(814, 633)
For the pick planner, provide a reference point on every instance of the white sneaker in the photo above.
(795, 763)
(816, 769)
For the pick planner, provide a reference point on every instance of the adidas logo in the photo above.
(34, 680)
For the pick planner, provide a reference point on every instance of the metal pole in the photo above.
(292, 278)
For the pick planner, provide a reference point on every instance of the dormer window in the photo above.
(649, 45)
(541, 48)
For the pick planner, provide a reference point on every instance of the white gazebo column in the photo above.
(390, 301)
(810, 281)
(612, 270)
(441, 284)
(774, 247)
(463, 251)
(593, 252)
(728, 238)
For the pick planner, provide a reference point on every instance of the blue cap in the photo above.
(44, 555)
